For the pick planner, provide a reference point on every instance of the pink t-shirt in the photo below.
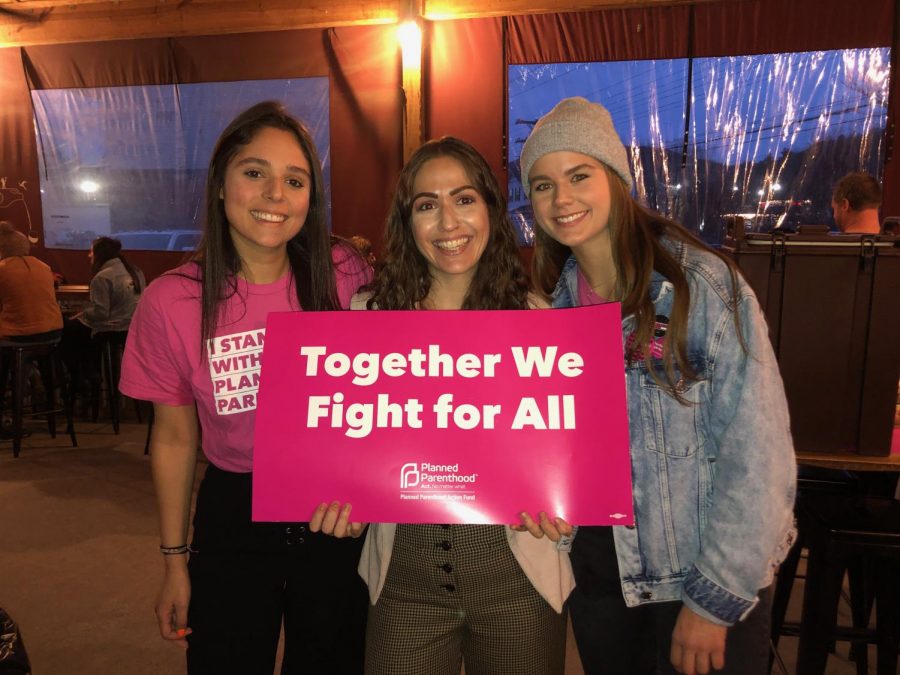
(586, 294)
(163, 363)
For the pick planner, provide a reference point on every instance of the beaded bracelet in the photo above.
(174, 550)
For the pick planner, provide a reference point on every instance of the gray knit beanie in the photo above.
(577, 125)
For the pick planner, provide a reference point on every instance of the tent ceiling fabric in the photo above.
(37, 22)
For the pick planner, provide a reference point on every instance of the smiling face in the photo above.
(266, 193)
(450, 222)
(571, 199)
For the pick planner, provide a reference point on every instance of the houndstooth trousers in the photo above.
(455, 593)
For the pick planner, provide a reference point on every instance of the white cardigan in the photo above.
(548, 570)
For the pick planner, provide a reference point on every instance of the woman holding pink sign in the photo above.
(688, 589)
(487, 595)
(193, 350)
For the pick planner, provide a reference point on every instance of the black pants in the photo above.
(248, 577)
(613, 638)
(81, 357)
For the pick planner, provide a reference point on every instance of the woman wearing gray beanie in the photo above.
(688, 588)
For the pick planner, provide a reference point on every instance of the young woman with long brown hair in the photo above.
(265, 248)
(689, 586)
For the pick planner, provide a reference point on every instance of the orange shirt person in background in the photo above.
(28, 308)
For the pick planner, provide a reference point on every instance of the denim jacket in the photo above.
(714, 481)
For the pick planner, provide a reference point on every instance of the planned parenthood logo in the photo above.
(426, 481)
(409, 475)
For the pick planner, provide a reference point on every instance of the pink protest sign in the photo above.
(444, 417)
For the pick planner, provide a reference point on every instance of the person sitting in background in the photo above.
(364, 246)
(28, 308)
(115, 288)
(855, 203)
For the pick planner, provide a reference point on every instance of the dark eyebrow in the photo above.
(567, 172)
(583, 165)
(454, 191)
(266, 163)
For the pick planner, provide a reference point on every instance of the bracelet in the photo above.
(174, 550)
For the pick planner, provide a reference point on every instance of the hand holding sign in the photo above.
(555, 529)
(334, 519)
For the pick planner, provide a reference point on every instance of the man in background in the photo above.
(855, 203)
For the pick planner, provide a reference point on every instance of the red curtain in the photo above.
(611, 35)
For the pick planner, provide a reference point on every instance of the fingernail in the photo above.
(181, 632)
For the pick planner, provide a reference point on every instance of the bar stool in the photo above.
(17, 355)
(110, 346)
(839, 532)
(813, 483)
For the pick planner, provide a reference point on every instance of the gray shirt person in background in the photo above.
(115, 288)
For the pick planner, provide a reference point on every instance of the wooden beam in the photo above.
(35, 22)
(412, 111)
(413, 117)
(131, 19)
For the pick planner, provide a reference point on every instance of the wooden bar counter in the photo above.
(850, 461)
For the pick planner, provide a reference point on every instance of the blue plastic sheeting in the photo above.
(130, 162)
(767, 135)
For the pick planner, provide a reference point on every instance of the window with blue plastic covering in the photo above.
(764, 137)
(130, 162)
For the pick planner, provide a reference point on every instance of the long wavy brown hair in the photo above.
(636, 235)
(402, 279)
